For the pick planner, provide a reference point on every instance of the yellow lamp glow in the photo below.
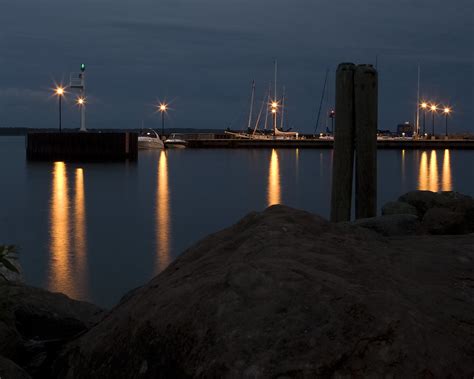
(424, 105)
(433, 108)
(447, 110)
(59, 91)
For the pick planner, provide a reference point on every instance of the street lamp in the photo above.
(163, 107)
(446, 112)
(433, 109)
(274, 106)
(332, 115)
(81, 102)
(59, 92)
(423, 107)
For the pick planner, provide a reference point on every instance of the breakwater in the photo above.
(327, 144)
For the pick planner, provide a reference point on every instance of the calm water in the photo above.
(95, 231)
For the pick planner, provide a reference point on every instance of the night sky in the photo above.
(203, 55)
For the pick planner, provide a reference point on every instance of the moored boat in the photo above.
(149, 139)
(174, 141)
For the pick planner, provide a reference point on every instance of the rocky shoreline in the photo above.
(282, 293)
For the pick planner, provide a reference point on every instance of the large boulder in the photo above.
(391, 225)
(444, 221)
(398, 208)
(284, 293)
(432, 206)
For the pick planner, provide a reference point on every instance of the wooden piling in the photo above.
(343, 163)
(365, 98)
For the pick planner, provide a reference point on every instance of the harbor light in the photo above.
(274, 110)
(424, 106)
(434, 110)
(59, 91)
(81, 101)
(163, 108)
(274, 105)
(446, 112)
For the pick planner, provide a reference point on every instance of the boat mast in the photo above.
(418, 105)
(259, 114)
(251, 105)
(275, 99)
(282, 109)
(268, 105)
(321, 102)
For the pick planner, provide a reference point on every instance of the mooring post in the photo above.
(365, 99)
(343, 163)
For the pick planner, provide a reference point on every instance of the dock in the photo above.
(228, 143)
(80, 146)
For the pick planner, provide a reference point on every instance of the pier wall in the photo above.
(51, 146)
(327, 144)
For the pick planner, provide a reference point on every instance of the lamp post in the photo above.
(274, 113)
(81, 102)
(423, 107)
(163, 108)
(59, 92)
(446, 112)
(433, 109)
(332, 115)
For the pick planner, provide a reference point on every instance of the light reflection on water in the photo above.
(163, 223)
(430, 177)
(68, 242)
(274, 187)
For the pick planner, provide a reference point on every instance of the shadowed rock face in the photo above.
(284, 293)
(34, 324)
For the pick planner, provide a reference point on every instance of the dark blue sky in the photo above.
(204, 54)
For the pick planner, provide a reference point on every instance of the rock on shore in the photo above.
(284, 293)
(34, 324)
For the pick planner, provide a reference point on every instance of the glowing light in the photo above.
(163, 223)
(274, 188)
(434, 184)
(81, 101)
(274, 111)
(274, 105)
(423, 173)
(59, 279)
(447, 110)
(163, 107)
(424, 105)
(59, 91)
(447, 183)
(433, 108)
(80, 237)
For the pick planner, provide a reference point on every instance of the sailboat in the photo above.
(272, 105)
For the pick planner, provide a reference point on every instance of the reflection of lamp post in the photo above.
(446, 112)
(433, 109)
(423, 107)
(332, 115)
(59, 92)
(163, 108)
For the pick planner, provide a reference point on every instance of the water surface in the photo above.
(95, 231)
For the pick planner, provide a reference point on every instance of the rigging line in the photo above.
(268, 103)
(321, 102)
(259, 114)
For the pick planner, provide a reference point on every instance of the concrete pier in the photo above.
(52, 146)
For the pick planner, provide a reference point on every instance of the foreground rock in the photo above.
(34, 324)
(442, 212)
(284, 293)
